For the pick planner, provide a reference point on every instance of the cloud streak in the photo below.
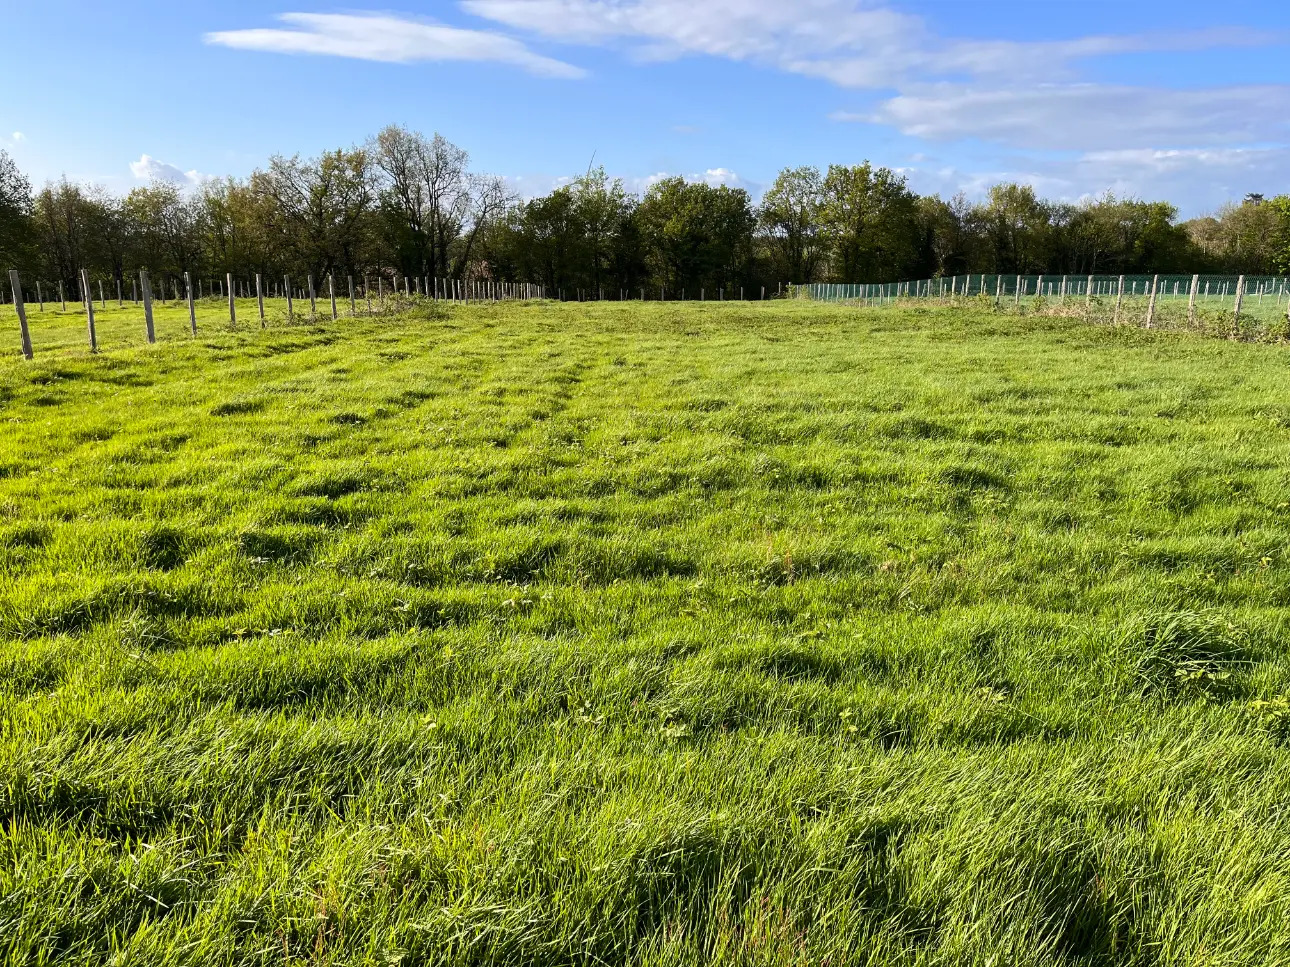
(148, 168)
(849, 43)
(390, 39)
(1065, 134)
(1084, 117)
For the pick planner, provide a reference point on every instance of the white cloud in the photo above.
(148, 168)
(851, 43)
(532, 186)
(1202, 178)
(721, 176)
(1086, 117)
(1026, 95)
(711, 176)
(392, 39)
(18, 136)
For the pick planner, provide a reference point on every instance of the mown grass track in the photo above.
(779, 634)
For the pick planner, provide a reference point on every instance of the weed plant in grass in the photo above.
(781, 634)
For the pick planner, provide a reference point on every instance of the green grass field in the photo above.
(610, 634)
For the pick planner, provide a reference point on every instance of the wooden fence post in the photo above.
(1151, 305)
(102, 301)
(40, 297)
(1236, 312)
(313, 300)
(89, 314)
(353, 309)
(1088, 295)
(286, 290)
(192, 309)
(259, 297)
(61, 298)
(22, 313)
(232, 300)
(146, 285)
(1119, 301)
(331, 290)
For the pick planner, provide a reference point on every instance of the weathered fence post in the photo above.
(61, 298)
(353, 309)
(89, 313)
(1119, 301)
(1236, 313)
(331, 290)
(192, 309)
(1088, 296)
(40, 297)
(102, 301)
(232, 300)
(146, 285)
(1151, 305)
(313, 300)
(22, 313)
(259, 297)
(1191, 300)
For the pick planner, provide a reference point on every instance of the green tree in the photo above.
(1281, 233)
(789, 220)
(322, 210)
(870, 220)
(1017, 230)
(947, 233)
(696, 235)
(18, 242)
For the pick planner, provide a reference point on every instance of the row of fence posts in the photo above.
(624, 295)
(449, 290)
(890, 292)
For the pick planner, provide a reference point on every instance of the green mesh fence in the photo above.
(1241, 305)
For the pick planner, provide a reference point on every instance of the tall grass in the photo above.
(591, 634)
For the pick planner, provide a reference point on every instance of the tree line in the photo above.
(404, 204)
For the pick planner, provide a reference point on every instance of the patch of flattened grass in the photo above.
(239, 407)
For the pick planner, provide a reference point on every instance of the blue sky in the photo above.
(1182, 100)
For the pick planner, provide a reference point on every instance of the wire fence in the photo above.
(266, 300)
(1249, 307)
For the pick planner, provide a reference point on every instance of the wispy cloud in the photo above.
(850, 43)
(391, 39)
(148, 168)
(535, 185)
(1066, 134)
(1084, 117)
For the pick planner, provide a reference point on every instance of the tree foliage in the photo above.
(407, 205)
